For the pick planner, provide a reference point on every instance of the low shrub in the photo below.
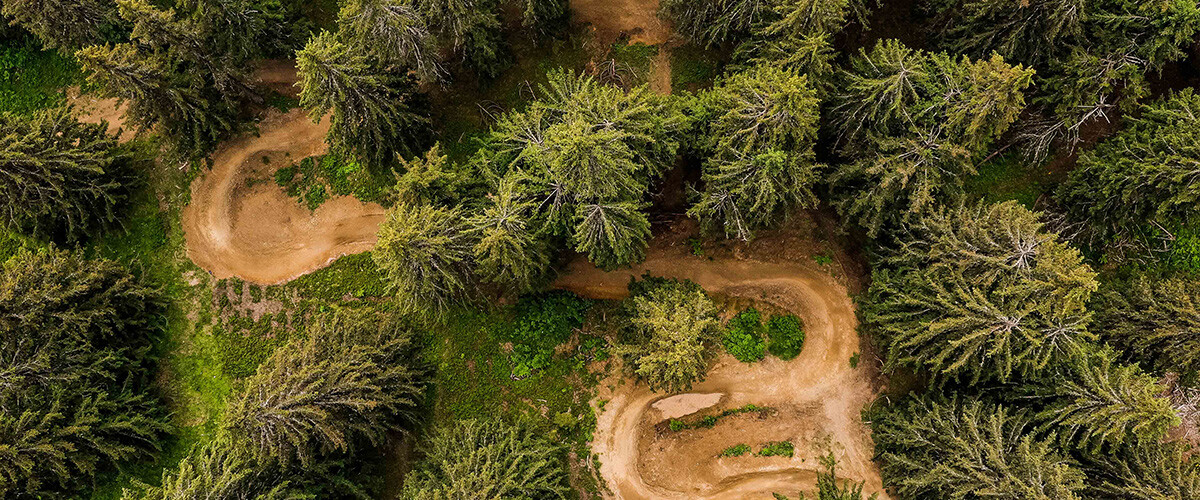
(736, 450)
(777, 449)
(786, 336)
(542, 322)
(743, 337)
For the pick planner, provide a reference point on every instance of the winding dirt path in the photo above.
(819, 396)
(240, 223)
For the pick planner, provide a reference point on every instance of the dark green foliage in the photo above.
(1145, 470)
(427, 254)
(375, 110)
(786, 335)
(470, 29)
(736, 450)
(1088, 53)
(712, 22)
(74, 334)
(1097, 401)
(583, 156)
(981, 292)
(488, 458)
(672, 326)
(913, 124)
(777, 449)
(1156, 321)
(544, 16)
(543, 322)
(393, 31)
(58, 177)
(66, 25)
(1140, 183)
(967, 449)
(184, 71)
(221, 470)
(32, 79)
(759, 126)
(743, 337)
(353, 379)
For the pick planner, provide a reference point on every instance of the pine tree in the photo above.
(713, 22)
(912, 125)
(1098, 401)
(66, 25)
(469, 28)
(353, 379)
(1140, 181)
(612, 235)
(157, 96)
(432, 180)
(488, 459)
(1156, 321)
(673, 325)
(57, 439)
(981, 292)
(509, 251)
(543, 15)
(374, 108)
(393, 31)
(59, 177)
(220, 470)
(969, 449)
(427, 254)
(1145, 470)
(761, 131)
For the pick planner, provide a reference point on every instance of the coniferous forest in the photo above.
(585, 249)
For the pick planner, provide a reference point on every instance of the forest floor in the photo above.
(815, 400)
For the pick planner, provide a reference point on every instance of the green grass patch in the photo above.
(541, 323)
(1008, 177)
(787, 336)
(316, 178)
(243, 344)
(736, 450)
(353, 275)
(33, 79)
(710, 421)
(693, 68)
(777, 449)
(744, 336)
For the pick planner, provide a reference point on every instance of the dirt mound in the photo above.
(240, 223)
(817, 397)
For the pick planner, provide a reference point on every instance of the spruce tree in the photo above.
(221, 470)
(913, 124)
(59, 177)
(612, 235)
(1098, 401)
(374, 107)
(713, 22)
(488, 459)
(761, 129)
(1145, 470)
(470, 29)
(394, 31)
(981, 292)
(672, 328)
(1141, 181)
(352, 379)
(427, 254)
(1155, 321)
(930, 448)
(510, 252)
(67, 25)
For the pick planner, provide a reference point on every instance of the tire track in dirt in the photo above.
(819, 378)
(241, 223)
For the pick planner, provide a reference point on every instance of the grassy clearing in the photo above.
(1009, 177)
(33, 79)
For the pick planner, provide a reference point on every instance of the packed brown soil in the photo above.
(240, 223)
(612, 18)
(91, 109)
(817, 397)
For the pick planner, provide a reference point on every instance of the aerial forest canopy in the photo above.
(549, 249)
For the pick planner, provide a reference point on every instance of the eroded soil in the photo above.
(817, 397)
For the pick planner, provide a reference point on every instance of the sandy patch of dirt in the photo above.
(819, 397)
(685, 404)
(91, 109)
(240, 223)
(612, 18)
